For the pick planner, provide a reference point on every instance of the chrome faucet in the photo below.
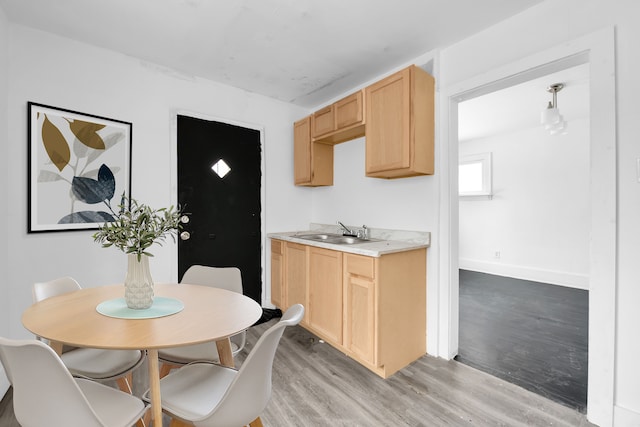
(363, 233)
(347, 232)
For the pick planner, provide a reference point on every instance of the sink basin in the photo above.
(336, 239)
(319, 237)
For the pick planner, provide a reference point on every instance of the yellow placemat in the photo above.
(161, 307)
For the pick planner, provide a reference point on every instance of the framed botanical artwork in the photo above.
(79, 168)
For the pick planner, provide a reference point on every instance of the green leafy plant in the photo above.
(137, 226)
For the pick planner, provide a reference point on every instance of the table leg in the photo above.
(224, 352)
(154, 387)
(56, 346)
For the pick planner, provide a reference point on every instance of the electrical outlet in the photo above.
(496, 255)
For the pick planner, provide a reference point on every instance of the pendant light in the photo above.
(551, 117)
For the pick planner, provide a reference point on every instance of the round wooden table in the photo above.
(209, 314)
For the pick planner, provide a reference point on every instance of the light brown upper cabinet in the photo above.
(399, 113)
(341, 121)
(396, 116)
(323, 121)
(313, 161)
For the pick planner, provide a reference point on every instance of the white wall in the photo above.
(548, 25)
(4, 184)
(55, 71)
(538, 218)
(47, 69)
(355, 199)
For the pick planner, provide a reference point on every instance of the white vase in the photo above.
(138, 285)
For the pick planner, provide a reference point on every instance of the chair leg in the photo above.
(256, 423)
(124, 383)
(146, 418)
(144, 421)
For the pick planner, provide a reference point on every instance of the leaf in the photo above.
(138, 227)
(110, 141)
(48, 176)
(106, 178)
(80, 150)
(55, 144)
(93, 173)
(86, 132)
(93, 191)
(86, 217)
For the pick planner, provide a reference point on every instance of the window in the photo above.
(221, 168)
(474, 176)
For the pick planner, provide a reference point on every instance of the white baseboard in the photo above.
(571, 280)
(623, 417)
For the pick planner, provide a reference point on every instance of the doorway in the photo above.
(219, 185)
(598, 49)
(524, 243)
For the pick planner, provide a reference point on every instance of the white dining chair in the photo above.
(204, 394)
(92, 363)
(228, 278)
(45, 393)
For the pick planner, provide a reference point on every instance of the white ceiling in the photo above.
(300, 51)
(518, 107)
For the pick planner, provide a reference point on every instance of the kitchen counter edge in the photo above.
(373, 249)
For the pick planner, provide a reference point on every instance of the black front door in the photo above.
(219, 175)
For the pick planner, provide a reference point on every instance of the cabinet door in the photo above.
(277, 282)
(349, 111)
(296, 275)
(302, 151)
(360, 317)
(325, 293)
(360, 332)
(323, 122)
(312, 162)
(388, 112)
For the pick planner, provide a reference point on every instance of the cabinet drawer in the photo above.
(323, 121)
(360, 265)
(349, 110)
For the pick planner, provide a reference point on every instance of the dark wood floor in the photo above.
(531, 334)
(316, 385)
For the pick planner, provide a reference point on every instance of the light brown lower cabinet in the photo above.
(288, 275)
(371, 308)
(324, 301)
(277, 273)
(295, 277)
(360, 314)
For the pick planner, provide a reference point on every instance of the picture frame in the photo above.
(79, 168)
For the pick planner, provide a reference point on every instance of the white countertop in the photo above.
(389, 240)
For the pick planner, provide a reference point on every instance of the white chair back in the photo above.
(249, 393)
(43, 290)
(44, 392)
(228, 278)
(96, 364)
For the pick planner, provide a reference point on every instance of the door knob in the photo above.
(185, 235)
(184, 219)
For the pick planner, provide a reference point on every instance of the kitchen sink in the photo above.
(320, 237)
(336, 239)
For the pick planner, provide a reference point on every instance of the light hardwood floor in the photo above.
(316, 385)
